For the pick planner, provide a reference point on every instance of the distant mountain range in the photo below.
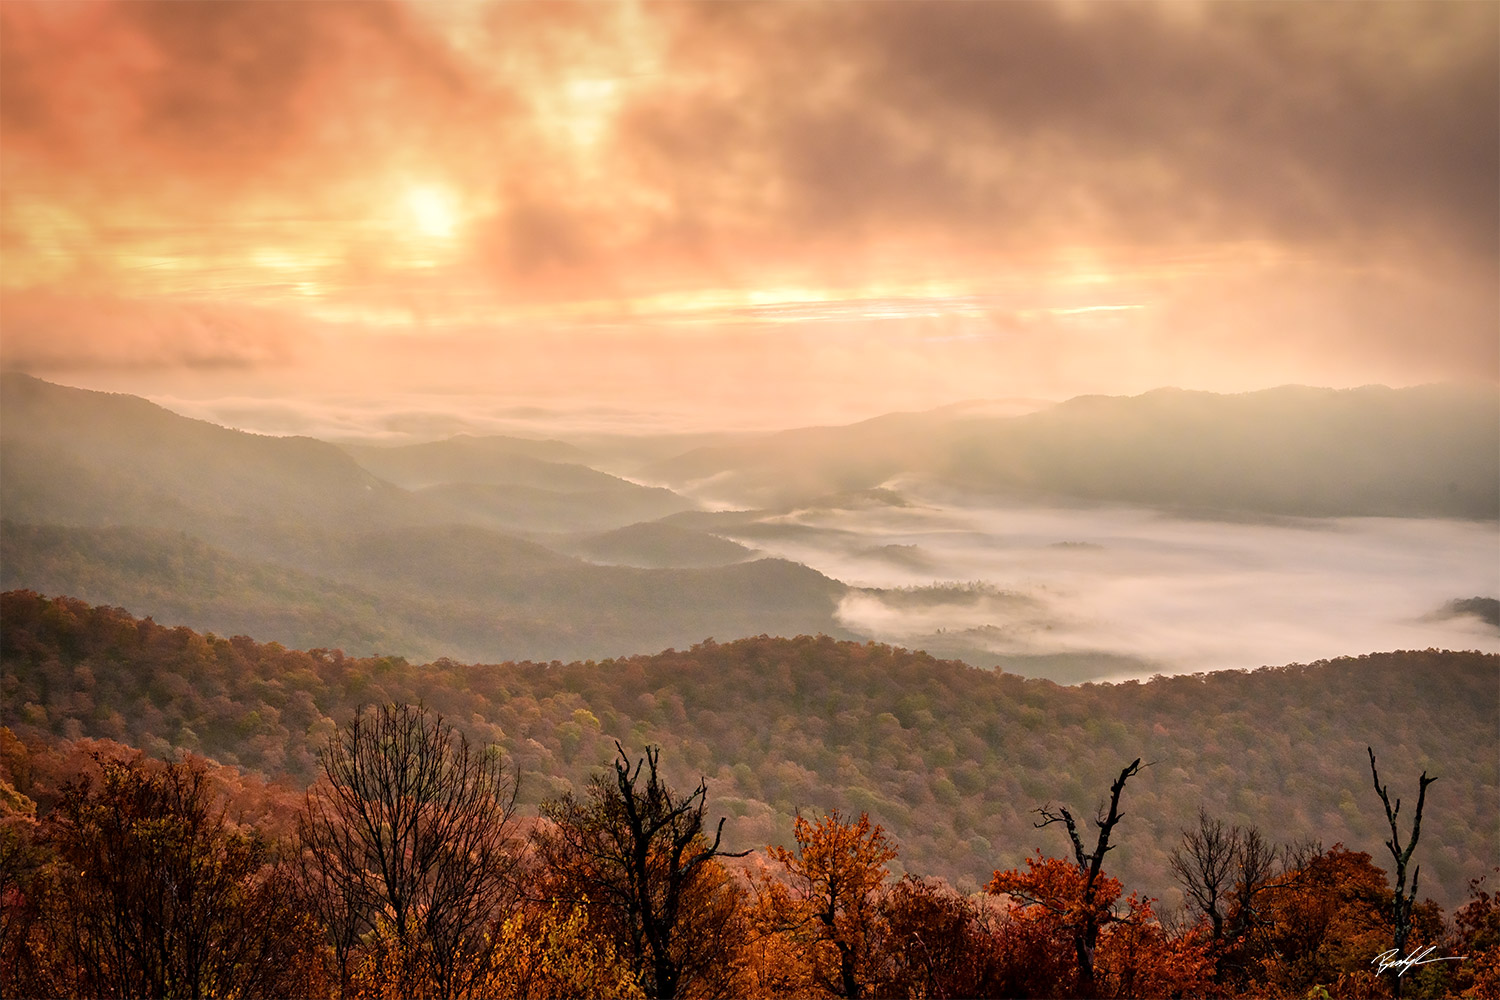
(503, 548)
(119, 501)
(1429, 451)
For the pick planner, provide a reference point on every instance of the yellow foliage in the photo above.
(552, 954)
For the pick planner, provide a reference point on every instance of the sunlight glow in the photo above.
(432, 210)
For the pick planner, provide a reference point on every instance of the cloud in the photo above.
(161, 99)
(1129, 121)
(46, 332)
(1324, 167)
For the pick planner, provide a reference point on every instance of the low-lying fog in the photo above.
(1185, 595)
(1181, 595)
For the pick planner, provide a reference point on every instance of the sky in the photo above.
(743, 214)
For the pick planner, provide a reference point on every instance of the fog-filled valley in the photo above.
(922, 629)
(532, 499)
(1255, 529)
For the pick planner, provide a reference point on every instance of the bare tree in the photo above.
(411, 832)
(1090, 863)
(1401, 905)
(1204, 864)
(639, 852)
(1224, 872)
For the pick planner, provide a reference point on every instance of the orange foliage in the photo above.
(1051, 909)
(833, 906)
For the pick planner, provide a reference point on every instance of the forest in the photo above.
(767, 817)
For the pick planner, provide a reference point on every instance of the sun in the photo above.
(432, 211)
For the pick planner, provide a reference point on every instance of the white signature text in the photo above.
(1392, 959)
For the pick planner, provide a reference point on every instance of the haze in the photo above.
(645, 227)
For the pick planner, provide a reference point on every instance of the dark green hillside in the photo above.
(951, 759)
(177, 578)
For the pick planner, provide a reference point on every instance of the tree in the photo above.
(410, 833)
(550, 952)
(1403, 900)
(835, 873)
(636, 854)
(1224, 872)
(1204, 864)
(153, 894)
(1324, 926)
(1083, 900)
(1139, 958)
(935, 943)
(1476, 933)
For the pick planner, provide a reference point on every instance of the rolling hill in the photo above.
(952, 760)
(1428, 451)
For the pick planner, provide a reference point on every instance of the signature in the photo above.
(1392, 959)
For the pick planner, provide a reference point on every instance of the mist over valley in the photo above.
(675, 501)
(1261, 545)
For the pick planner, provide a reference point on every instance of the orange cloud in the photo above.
(1313, 184)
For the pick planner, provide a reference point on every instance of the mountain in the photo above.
(517, 485)
(952, 760)
(660, 544)
(118, 500)
(109, 497)
(71, 456)
(465, 458)
(529, 509)
(423, 593)
(1427, 451)
(489, 461)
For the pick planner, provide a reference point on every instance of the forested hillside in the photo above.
(952, 760)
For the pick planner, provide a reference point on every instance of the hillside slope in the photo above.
(951, 759)
(1427, 451)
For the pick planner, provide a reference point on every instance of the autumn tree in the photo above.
(1403, 899)
(834, 878)
(1139, 957)
(933, 942)
(1329, 920)
(638, 856)
(1225, 873)
(1083, 898)
(22, 858)
(1204, 865)
(552, 951)
(1476, 938)
(154, 894)
(410, 835)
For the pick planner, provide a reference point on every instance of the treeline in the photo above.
(407, 871)
(951, 760)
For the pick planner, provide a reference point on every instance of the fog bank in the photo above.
(1184, 595)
